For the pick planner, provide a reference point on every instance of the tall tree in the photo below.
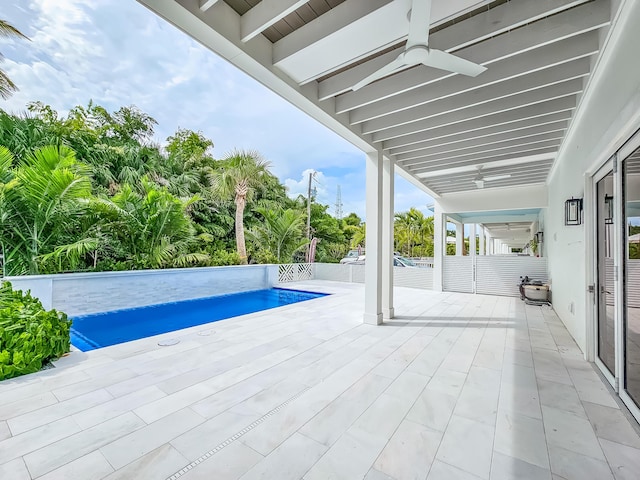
(240, 174)
(7, 87)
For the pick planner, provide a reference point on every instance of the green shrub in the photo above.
(220, 258)
(30, 336)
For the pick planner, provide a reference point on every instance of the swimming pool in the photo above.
(98, 330)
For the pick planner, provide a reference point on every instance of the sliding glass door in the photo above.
(631, 317)
(605, 288)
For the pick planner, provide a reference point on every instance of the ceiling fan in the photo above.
(480, 178)
(417, 51)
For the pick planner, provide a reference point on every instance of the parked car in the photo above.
(398, 261)
(353, 256)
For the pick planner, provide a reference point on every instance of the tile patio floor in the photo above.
(457, 387)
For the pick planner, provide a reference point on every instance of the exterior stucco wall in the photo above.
(82, 293)
(609, 114)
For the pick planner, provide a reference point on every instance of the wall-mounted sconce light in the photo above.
(573, 211)
(608, 209)
(539, 237)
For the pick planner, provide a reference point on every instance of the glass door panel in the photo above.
(631, 183)
(605, 288)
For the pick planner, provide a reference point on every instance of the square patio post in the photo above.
(482, 237)
(472, 240)
(439, 246)
(373, 263)
(459, 238)
(388, 180)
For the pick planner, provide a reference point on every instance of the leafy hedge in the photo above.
(30, 336)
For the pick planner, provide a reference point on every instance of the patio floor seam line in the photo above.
(235, 437)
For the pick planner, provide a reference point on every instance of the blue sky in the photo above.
(117, 53)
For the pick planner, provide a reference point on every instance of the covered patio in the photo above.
(486, 105)
(379, 381)
(458, 386)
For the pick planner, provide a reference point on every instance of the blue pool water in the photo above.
(110, 328)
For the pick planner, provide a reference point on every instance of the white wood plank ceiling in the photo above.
(443, 130)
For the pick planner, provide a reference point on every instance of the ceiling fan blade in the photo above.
(388, 69)
(496, 177)
(419, 23)
(451, 63)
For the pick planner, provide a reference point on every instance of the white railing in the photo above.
(294, 272)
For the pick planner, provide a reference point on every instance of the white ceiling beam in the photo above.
(545, 94)
(484, 140)
(207, 4)
(485, 219)
(505, 182)
(577, 21)
(487, 159)
(509, 182)
(535, 61)
(455, 183)
(501, 131)
(416, 159)
(338, 24)
(530, 168)
(500, 19)
(264, 15)
(566, 93)
(508, 198)
(513, 119)
(507, 162)
(509, 94)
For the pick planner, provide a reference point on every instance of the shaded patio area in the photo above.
(457, 386)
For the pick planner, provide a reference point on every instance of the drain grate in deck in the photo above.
(235, 437)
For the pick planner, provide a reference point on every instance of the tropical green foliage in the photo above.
(151, 228)
(42, 202)
(89, 190)
(413, 234)
(30, 336)
(7, 87)
(279, 234)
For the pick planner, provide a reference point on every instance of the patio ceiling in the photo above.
(439, 128)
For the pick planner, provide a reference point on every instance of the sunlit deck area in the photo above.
(458, 386)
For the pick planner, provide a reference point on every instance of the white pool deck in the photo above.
(457, 387)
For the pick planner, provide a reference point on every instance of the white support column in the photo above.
(472, 240)
(387, 237)
(459, 238)
(439, 246)
(373, 264)
(482, 238)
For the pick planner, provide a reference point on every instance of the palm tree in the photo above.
(413, 227)
(152, 227)
(240, 173)
(41, 203)
(280, 233)
(7, 87)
